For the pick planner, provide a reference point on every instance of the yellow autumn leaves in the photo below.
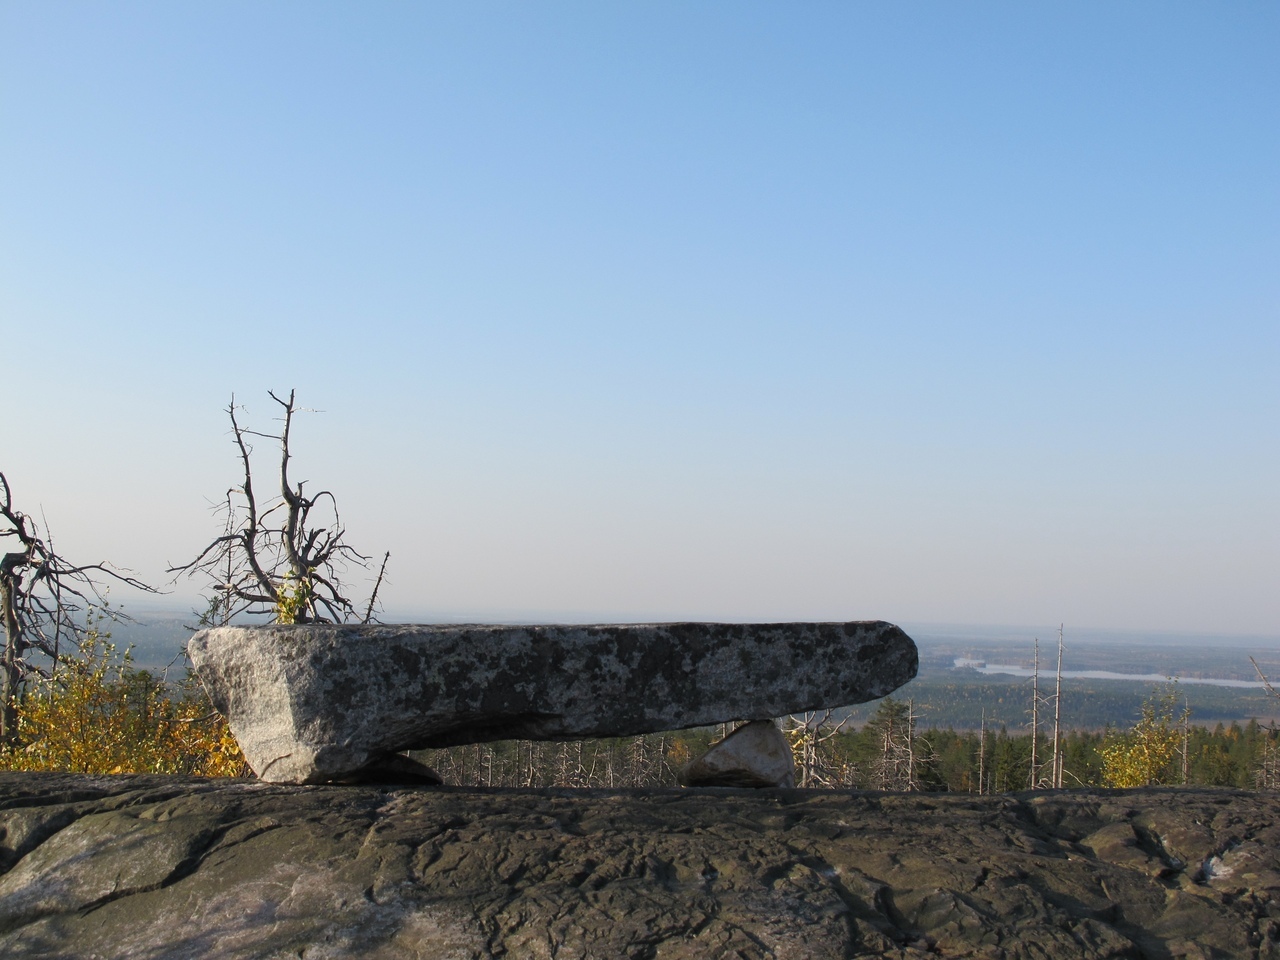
(100, 715)
(1144, 756)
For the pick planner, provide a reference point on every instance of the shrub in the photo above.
(98, 714)
(1144, 756)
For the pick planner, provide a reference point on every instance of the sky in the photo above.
(928, 312)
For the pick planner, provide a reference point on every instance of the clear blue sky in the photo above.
(962, 313)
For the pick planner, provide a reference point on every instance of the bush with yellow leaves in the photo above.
(1144, 756)
(99, 714)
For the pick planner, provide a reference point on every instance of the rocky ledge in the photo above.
(151, 867)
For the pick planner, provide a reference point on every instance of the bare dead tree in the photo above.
(1035, 716)
(894, 725)
(283, 558)
(1057, 720)
(1263, 677)
(43, 602)
(1186, 740)
(982, 754)
(912, 717)
(1267, 766)
(807, 733)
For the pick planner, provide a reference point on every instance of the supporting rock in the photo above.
(310, 704)
(754, 755)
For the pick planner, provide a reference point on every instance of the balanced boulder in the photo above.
(312, 703)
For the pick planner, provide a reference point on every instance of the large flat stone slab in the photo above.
(309, 704)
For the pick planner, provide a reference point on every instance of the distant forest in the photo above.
(107, 716)
(969, 731)
(962, 702)
(876, 757)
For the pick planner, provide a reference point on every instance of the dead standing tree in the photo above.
(807, 733)
(43, 603)
(283, 559)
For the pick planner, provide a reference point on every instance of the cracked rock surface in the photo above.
(158, 867)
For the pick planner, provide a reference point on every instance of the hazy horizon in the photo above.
(149, 607)
(933, 314)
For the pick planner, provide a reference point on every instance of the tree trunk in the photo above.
(982, 755)
(1035, 713)
(1057, 720)
(10, 671)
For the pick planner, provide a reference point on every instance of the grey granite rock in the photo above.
(754, 755)
(311, 704)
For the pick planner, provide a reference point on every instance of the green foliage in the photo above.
(960, 699)
(1082, 761)
(293, 598)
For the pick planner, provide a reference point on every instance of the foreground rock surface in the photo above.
(310, 704)
(152, 867)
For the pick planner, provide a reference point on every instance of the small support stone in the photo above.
(754, 755)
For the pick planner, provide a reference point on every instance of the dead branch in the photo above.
(283, 559)
(1265, 682)
(377, 584)
(44, 601)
